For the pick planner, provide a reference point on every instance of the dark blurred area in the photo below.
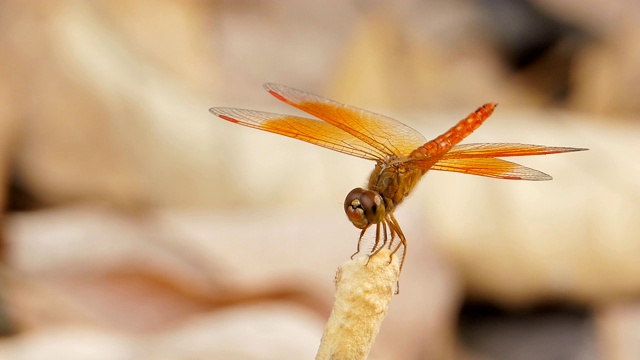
(138, 226)
(546, 331)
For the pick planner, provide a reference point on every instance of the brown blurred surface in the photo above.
(138, 226)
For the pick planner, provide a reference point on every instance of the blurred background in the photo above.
(136, 225)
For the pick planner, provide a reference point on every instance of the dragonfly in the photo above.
(402, 154)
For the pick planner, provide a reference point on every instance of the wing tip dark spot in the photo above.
(228, 118)
(277, 96)
(273, 90)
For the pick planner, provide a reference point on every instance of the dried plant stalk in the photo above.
(363, 294)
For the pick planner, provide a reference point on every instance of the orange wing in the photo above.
(371, 136)
(503, 150)
(385, 134)
(479, 159)
(491, 167)
(312, 131)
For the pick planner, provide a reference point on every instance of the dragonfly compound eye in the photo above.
(364, 207)
(354, 210)
(373, 206)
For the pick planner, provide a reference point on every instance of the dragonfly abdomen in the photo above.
(443, 143)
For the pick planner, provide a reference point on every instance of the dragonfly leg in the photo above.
(375, 248)
(384, 239)
(393, 233)
(384, 226)
(375, 244)
(359, 241)
(393, 224)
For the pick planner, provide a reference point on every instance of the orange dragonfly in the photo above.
(402, 154)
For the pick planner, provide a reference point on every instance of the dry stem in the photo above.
(363, 293)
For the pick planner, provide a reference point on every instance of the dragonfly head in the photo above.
(364, 207)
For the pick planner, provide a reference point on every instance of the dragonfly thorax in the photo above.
(389, 185)
(394, 182)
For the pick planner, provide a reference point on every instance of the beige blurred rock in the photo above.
(268, 331)
(264, 331)
(619, 329)
(605, 76)
(78, 342)
(393, 60)
(162, 271)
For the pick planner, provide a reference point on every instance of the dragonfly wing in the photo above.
(383, 133)
(490, 167)
(466, 151)
(480, 159)
(312, 131)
